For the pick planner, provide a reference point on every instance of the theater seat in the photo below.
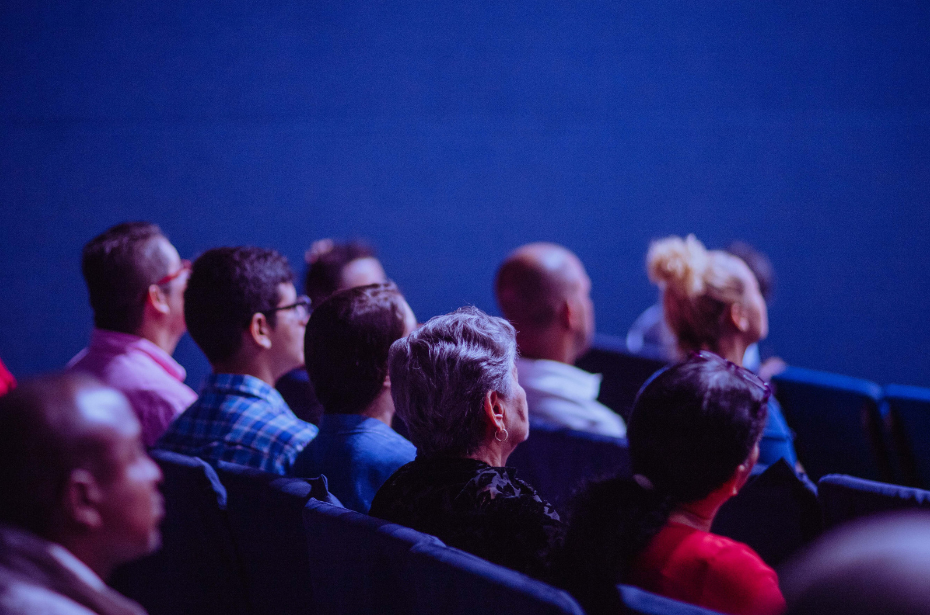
(556, 460)
(623, 373)
(844, 498)
(266, 519)
(198, 570)
(776, 513)
(360, 564)
(640, 602)
(464, 584)
(909, 414)
(836, 421)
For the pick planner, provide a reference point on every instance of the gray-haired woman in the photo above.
(454, 384)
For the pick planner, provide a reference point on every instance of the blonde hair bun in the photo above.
(678, 265)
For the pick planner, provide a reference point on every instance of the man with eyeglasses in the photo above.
(136, 280)
(244, 313)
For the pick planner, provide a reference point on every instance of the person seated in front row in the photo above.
(346, 347)
(544, 291)
(331, 267)
(242, 310)
(454, 383)
(694, 437)
(78, 497)
(712, 302)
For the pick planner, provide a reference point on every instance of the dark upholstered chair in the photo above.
(844, 498)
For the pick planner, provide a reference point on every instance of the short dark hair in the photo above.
(347, 342)
(325, 262)
(40, 444)
(691, 426)
(227, 287)
(119, 265)
(441, 373)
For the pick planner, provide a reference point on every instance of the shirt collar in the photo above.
(118, 343)
(244, 384)
(76, 566)
(545, 375)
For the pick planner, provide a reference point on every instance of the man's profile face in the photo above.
(175, 288)
(287, 337)
(130, 505)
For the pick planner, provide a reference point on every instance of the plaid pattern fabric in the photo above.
(240, 419)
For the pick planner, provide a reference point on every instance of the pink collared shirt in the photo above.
(147, 375)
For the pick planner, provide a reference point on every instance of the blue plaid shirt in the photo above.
(240, 419)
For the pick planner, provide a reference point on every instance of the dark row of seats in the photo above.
(842, 424)
(240, 541)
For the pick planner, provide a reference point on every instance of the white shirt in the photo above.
(564, 395)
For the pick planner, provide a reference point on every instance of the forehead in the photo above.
(287, 293)
(362, 272)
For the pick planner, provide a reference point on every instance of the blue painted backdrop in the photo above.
(449, 132)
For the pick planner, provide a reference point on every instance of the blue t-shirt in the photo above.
(357, 455)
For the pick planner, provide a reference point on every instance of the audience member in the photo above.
(876, 565)
(7, 381)
(136, 282)
(694, 438)
(78, 497)
(712, 302)
(346, 346)
(544, 291)
(331, 267)
(243, 312)
(454, 383)
(651, 336)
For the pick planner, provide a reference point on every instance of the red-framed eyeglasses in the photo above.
(185, 266)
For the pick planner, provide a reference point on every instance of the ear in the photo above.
(493, 409)
(157, 300)
(567, 315)
(743, 471)
(260, 330)
(81, 499)
(739, 317)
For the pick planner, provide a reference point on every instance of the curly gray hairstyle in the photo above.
(441, 373)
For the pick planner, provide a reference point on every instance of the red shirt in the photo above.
(707, 570)
(7, 381)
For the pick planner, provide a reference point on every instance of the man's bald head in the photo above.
(538, 286)
(47, 429)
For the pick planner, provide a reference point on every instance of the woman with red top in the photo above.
(694, 437)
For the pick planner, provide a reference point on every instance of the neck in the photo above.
(552, 345)
(92, 558)
(491, 454)
(160, 336)
(732, 349)
(244, 366)
(382, 408)
(699, 515)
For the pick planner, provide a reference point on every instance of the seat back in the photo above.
(556, 461)
(844, 498)
(266, 519)
(776, 513)
(360, 564)
(464, 584)
(197, 570)
(640, 602)
(909, 415)
(837, 423)
(623, 373)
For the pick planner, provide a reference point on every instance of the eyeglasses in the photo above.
(185, 266)
(742, 372)
(301, 307)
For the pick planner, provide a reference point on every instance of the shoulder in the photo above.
(498, 489)
(736, 576)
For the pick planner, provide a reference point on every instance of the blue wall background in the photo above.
(450, 132)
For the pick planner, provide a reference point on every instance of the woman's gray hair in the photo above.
(441, 373)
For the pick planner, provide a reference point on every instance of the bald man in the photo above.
(78, 497)
(544, 291)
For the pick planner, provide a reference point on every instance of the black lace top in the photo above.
(475, 507)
